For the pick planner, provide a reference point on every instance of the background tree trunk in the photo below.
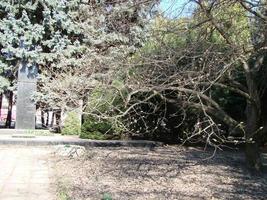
(52, 120)
(47, 118)
(58, 120)
(42, 118)
(9, 112)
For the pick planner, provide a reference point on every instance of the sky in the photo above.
(176, 8)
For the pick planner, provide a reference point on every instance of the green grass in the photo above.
(106, 196)
(39, 133)
(62, 193)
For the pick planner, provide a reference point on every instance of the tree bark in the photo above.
(9, 112)
(253, 156)
(252, 150)
(58, 120)
(253, 120)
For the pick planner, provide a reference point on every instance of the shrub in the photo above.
(103, 101)
(72, 124)
(104, 130)
(91, 129)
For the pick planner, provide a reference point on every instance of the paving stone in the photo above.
(25, 174)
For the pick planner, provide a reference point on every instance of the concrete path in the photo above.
(25, 173)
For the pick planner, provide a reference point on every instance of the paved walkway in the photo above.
(25, 173)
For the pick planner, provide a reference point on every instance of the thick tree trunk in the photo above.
(9, 112)
(253, 155)
(253, 117)
(264, 118)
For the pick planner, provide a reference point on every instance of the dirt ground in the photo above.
(162, 173)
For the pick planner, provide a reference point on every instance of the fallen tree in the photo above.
(221, 47)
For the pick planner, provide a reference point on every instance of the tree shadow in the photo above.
(171, 173)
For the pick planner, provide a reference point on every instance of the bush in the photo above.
(155, 119)
(102, 101)
(91, 129)
(72, 124)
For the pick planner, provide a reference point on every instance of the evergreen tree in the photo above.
(111, 32)
(36, 33)
(40, 35)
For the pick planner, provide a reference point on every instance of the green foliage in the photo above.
(32, 132)
(106, 196)
(72, 124)
(63, 196)
(104, 102)
(161, 37)
(62, 191)
(230, 18)
(91, 129)
(99, 130)
(38, 35)
(103, 99)
(93, 41)
(4, 84)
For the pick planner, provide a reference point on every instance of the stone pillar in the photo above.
(25, 107)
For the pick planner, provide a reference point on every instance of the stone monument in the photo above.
(25, 106)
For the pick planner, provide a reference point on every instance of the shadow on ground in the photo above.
(164, 173)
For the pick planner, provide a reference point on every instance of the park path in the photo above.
(26, 173)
